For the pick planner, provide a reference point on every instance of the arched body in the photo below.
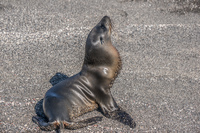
(89, 89)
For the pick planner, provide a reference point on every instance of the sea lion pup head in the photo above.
(100, 54)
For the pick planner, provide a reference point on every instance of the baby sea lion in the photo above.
(89, 89)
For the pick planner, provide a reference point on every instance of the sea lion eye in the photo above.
(103, 27)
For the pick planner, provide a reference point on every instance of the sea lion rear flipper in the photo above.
(49, 126)
(81, 124)
(46, 126)
(58, 77)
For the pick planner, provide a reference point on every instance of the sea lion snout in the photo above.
(106, 21)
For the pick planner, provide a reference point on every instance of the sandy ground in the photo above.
(159, 42)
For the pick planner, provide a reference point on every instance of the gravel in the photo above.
(159, 42)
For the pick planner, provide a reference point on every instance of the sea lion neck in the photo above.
(106, 68)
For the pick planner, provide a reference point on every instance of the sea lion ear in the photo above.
(101, 40)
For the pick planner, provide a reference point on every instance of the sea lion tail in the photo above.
(81, 124)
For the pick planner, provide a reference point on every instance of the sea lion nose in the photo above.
(106, 17)
(106, 20)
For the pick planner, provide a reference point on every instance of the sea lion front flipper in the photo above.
(111, 110)
(121, 116)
